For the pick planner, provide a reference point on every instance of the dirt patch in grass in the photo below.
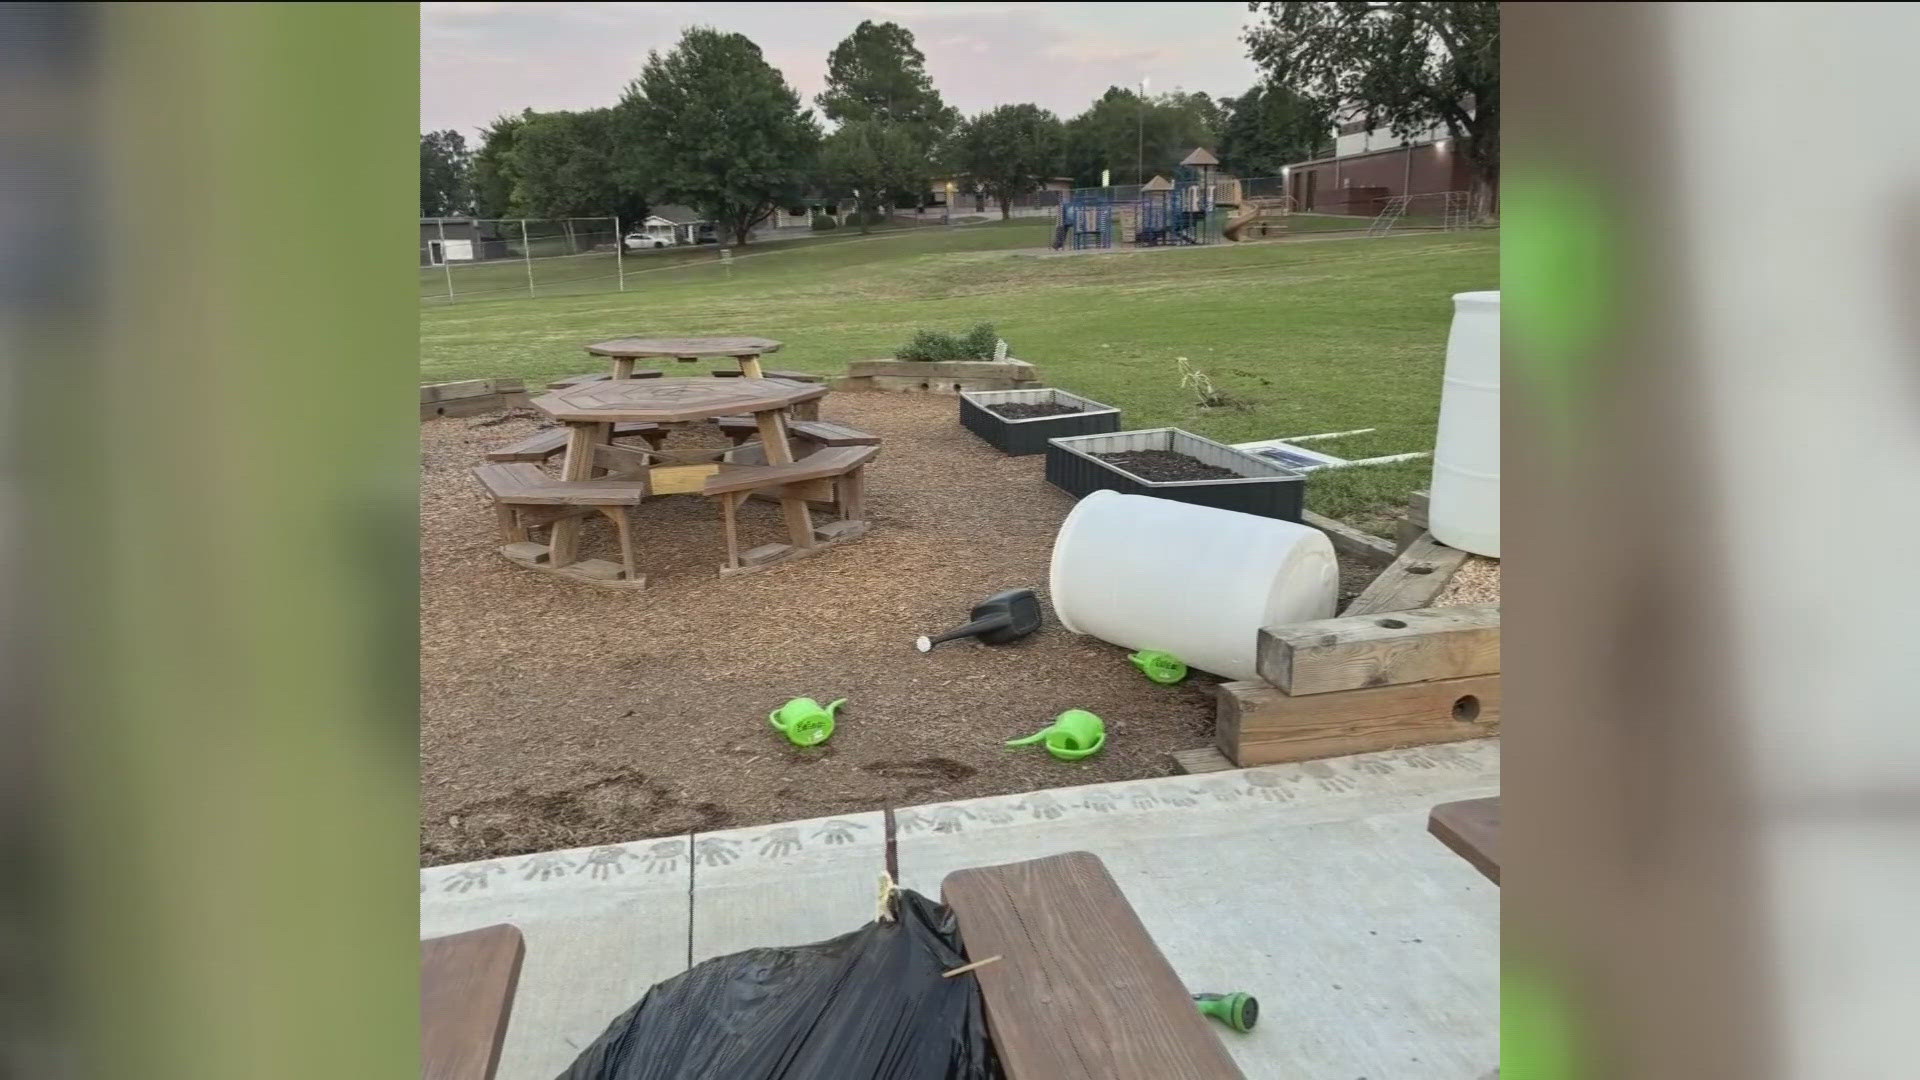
(556, 714)
(1018, 411)
(1165, 465)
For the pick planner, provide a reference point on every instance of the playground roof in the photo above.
(1200, 156)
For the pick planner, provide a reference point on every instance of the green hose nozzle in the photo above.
(1162, 667)
(1238, 1010)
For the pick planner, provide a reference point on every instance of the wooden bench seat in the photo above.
(836, 474)
(522, 484)
(525, 498)
(541, 445)
(793, 376)
(821, 465)
(467, 983)
(600, 376)
(818, 432)
(1080, 991)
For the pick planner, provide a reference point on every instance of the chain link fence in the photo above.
(492, 258)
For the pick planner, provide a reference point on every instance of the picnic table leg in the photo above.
(749, 366)
(581, 439)
(773, 437)
(623, 367)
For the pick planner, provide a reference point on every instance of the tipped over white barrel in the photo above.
(1463, 509)
(1148, 573)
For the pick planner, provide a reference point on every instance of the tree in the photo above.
(872, 160)
(1403, 66)
(494, 173)
(1128, 134)
(719, 129)
(1270, 127)
(877, 73)
(1010, 151)
(445, 182)
(571, 165)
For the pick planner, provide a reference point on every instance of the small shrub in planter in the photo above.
(1021, 421)
(934, 346)
(1179, 465)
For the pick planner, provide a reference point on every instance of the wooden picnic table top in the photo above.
(672, 400)
(632, 347)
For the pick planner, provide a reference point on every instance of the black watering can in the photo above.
(1000, 618)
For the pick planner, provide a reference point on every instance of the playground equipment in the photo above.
(1151, 573)
(1464, 506)
(1262, 216)
(1180, 210)
(1000, 618)
(1086, 221)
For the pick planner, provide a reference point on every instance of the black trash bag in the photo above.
(869, 1005)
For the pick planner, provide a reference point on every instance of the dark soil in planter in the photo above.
(1018, 411)
(1165, 465)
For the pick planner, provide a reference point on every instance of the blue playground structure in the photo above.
(1167, 212)
(1179, 211)
(1086, 221)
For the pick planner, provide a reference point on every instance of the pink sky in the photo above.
(479, 60)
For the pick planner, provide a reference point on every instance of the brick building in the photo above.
(1369, 166)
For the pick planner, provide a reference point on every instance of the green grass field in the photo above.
(1302, 337)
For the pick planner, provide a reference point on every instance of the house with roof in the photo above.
(677, 225)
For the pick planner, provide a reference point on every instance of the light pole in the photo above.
(1140, 138)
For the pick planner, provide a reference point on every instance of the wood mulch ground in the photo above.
(555, 714)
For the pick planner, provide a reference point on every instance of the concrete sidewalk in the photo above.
(1373, 949)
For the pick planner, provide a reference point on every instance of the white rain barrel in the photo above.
(1148, 573)
(1463, 509)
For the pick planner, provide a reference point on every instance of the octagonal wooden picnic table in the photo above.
(624, 351)
(590, 410)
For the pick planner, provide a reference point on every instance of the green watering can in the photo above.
(1074, 734)
(804, 721)
(1162, 667)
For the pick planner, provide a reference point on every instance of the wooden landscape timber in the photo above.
(1259, 724)
(1409, 527)
(1351, 541)
(1412, 580)
(470, 397)
(1388, 648)
(1201, 759)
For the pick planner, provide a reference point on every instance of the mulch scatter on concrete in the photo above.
(557, 714)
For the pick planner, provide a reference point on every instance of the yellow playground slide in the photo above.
(1255, 210)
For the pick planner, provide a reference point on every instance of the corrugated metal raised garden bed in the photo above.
(1029, 435)
(1240, 481)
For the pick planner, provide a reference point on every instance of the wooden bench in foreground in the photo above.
(1472, 829)
(467, 983)
(835, 474)
(1080, 991)
(525, 498)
